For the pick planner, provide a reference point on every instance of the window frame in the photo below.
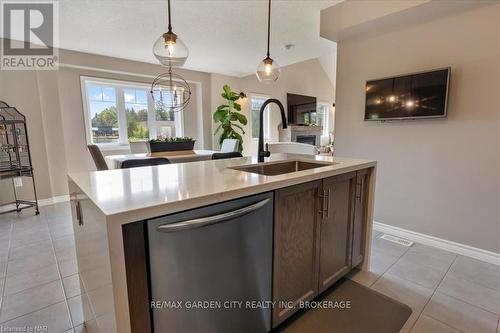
(326, 129)
(120, 86)
(267, 116)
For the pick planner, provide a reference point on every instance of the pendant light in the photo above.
(170, 92)
(268, 70)
(169, 48)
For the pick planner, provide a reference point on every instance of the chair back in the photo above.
(140, 162)
(229, 145)
(293, 148)
(220, 156)
(138, 147)
(99, 161)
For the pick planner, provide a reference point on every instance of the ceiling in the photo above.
(223, 36)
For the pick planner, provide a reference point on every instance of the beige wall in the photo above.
(305, 78)
(20, 89)
(437, 177)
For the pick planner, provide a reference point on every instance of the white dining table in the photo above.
(115, 161)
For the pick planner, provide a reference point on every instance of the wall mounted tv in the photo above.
(409, 96)
(301, 109)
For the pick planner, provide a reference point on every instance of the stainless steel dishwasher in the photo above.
(205, 261)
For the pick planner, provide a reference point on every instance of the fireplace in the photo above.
(304, 134)
(309, 139)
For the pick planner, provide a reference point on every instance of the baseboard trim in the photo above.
(465, 250)
(53, 200)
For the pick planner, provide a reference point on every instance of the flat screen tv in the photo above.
(409, 96)
(301, 109)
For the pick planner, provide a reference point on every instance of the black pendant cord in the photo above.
(268, 26)
(169, 19)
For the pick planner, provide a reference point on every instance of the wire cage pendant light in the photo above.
(268, 70)
(170, 92)
(169, 49)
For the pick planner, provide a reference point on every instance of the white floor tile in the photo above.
(429, 256)
(55, 318)
(72, 285)
(68, 268)
(20, 282)
(380, 261)
(3, 268)
(471, 293)
(479, 272)
(409, 293)
(30, 263)
(426, 324)
(460, 315)
(31, 250)
(31, 300)
(423, 275)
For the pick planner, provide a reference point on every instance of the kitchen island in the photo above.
(320, 225)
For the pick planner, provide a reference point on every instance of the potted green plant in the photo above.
(230, 118)
(170, 144)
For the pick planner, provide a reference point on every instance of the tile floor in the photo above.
(447, 292)
(40, 285)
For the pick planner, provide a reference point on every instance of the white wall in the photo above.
(437, 177)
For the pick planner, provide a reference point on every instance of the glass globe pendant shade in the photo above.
(170, 50)
(268, 70)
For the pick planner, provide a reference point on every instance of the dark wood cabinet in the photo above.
(296, 247)
(360, 217)
(319, 236)
(336, 228)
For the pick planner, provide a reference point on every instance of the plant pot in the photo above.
(156, 147)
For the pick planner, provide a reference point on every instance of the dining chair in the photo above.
(99, 161)
(140, 162)
(292, 148)
(220, 156)
(229, 145)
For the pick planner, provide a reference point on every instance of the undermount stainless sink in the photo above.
(279, 168)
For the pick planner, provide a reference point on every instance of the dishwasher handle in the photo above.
(209, 220)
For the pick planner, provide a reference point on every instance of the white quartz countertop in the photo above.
(128, 195)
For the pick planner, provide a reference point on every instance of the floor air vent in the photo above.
(397, 240)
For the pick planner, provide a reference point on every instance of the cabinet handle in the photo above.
(322, 210)
(358, 191)
(209, 220)
(328, 204)
(79, 215)
(325, 206)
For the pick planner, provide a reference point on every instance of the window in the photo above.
(103, 113)
(117, 112)
(322, 118)
(136, 108)
(256, 102)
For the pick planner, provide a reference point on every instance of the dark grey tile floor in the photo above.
(40, 285)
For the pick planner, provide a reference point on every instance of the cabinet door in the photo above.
(336, 224)
(296, 231)
(359, 224)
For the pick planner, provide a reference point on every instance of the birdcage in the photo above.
(15, 158)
